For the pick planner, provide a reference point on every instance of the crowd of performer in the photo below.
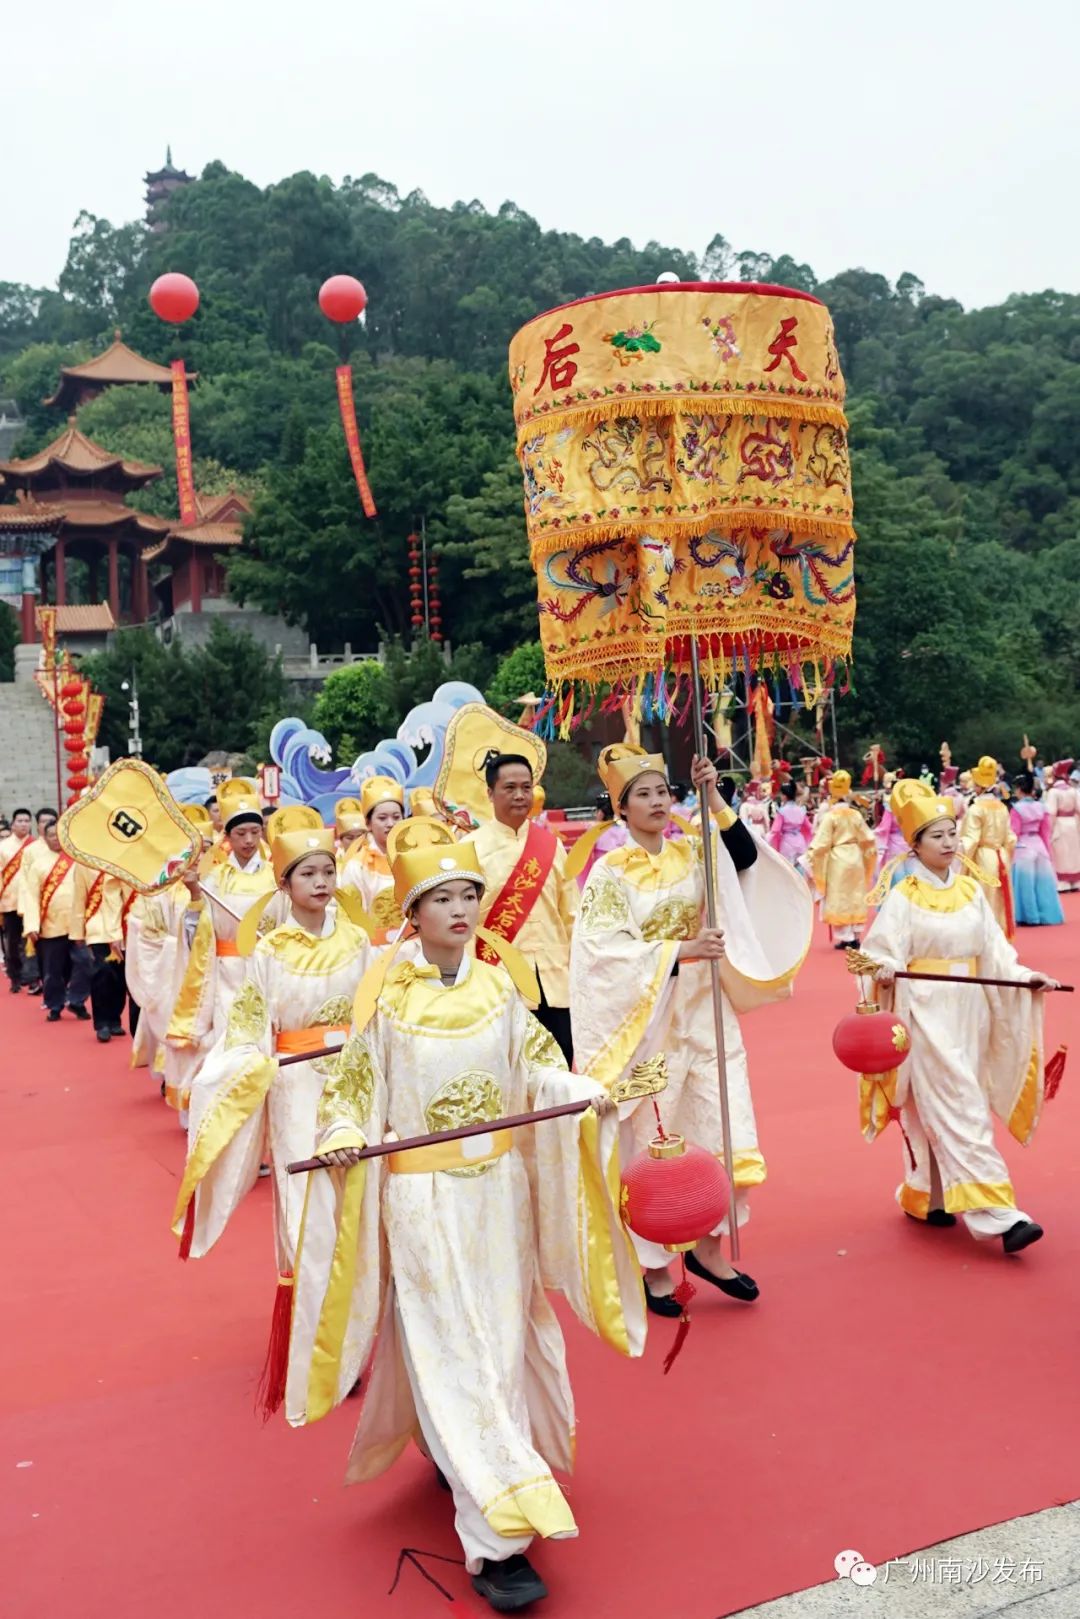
(429, 962)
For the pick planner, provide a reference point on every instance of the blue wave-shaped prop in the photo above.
(191, 785)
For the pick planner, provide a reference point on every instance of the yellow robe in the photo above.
(974, 1051)
(367, 871)
(544, 936)
(987, 838)
(842, 858)
(627, 1003)
(240, 1096)
(457, 1258)
(33, 878)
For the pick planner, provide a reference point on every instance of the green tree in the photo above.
(351, 709)
(520, 674)
(10, 636)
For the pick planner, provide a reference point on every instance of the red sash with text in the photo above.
(521, 889)
(52, 882)
(10, 871)
(125, 911)
(94, 896)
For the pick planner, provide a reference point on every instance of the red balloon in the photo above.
(174, 297)
(674, 1193)
(870, 1041)
(342, 298)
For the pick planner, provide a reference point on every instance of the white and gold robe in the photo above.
(298, 995)
(975, 1052)
(627, 1002)
(446, 1252)
(151, 964)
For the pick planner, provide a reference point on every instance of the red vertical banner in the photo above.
(352, 437)
(181, 426)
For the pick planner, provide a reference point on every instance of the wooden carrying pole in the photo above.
(483, 1128)
(701, 749)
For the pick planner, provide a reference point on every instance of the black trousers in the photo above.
(65, 972)
(108, 991)
(556, 1020)
(14, 962)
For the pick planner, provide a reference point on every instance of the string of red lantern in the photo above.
(434, 611)
(416, 588)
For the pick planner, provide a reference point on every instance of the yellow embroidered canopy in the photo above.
(686, 472)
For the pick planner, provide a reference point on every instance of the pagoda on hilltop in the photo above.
(160, 185)
(117, 367)
(78, 491)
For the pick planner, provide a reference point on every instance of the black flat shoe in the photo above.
(80, 1012)
(104, 1035)
(662, 1304)
(33, 989)
(739, 1286)
(116, 1029)
(53, 1016)
(936, 1217)
(1020, 1236)
(510, 1585)
(15, 988)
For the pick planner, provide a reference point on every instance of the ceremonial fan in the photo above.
(688, 507)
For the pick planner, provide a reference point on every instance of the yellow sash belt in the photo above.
(449, 1154)
(944, 966)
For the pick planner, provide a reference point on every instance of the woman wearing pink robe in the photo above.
(791, 833)
(1035, 895)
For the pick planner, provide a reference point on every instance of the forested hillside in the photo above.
(965, 430)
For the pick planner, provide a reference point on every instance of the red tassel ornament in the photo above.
(270, 1394)
(1054, 1073)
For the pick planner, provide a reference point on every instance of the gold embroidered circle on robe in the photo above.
(385, 911)
(604, 908)
(471, 1097)
(673, 919)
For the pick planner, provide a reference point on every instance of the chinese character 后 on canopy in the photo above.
(558, 366)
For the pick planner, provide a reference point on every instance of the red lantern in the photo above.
(870, 1041)
(342, 298)
(74, 744)
(674, 1193)
(174, 297)
(79, 762)
(74, 707)
(71, 688)
(74, 727)
(77, 783)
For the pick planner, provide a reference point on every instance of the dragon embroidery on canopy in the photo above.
(591, 579)
(828, 459)
(621, 463)
(703, 448)
(766, 455)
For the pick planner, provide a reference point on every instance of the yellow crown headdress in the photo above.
(621, 764)
(238, 797)
(839, 784)
(199, 816)
(380, 790)
(985, 773)
(916, 806)
(424, 853)
(293, 818)
(289, 848)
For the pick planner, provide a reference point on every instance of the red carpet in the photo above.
(893, 1387)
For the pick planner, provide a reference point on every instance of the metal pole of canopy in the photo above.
(701, 748)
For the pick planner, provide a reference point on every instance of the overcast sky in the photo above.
(938, 138)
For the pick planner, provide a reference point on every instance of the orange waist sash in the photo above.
(313, 1042)
(226, 947)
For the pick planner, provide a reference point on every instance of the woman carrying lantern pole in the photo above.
(976, 1051)
(640, 980)
(445, 1250)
